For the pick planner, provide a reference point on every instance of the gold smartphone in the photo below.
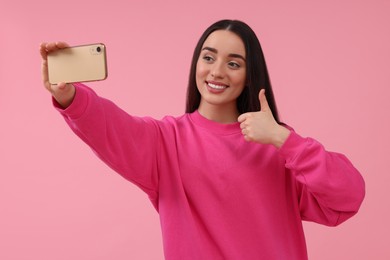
(78, 64)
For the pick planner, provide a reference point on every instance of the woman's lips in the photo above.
(216, 87)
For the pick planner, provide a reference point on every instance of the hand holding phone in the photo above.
(77, 64)
(63, 93)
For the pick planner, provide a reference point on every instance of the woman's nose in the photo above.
(217, 70)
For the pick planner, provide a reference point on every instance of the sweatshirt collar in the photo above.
(225, 129)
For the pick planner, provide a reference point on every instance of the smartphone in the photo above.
(78, 64)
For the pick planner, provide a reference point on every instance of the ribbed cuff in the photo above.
(79, 104)
(292, 146)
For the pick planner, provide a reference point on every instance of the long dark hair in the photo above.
(256, 70)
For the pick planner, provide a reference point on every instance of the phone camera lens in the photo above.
(98, 49)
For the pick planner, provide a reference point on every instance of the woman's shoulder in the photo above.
(175, 120)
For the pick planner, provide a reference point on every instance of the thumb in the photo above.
(263, 101)
(59, 89)
(62, 86)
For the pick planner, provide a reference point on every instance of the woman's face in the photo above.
(221, 70)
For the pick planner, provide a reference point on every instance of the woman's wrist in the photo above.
(281, 135)
(65, 95)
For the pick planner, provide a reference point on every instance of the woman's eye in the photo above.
(234, 65)
(208, 58)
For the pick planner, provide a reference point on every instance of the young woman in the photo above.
(228, 180)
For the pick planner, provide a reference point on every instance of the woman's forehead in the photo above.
(225, 41)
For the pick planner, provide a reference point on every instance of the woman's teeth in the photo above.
(216, 86)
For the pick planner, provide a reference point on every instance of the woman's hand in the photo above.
(63, 93)
(261, 126)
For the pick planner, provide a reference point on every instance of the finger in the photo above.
(42, 50)
(62, 85)
(62, 45)
(242, 117)
(45, 48)
(45, 74)
(263, 101)
(53, 46)
(44, 67)
(247, 138)
(243, 126)
(59, 91)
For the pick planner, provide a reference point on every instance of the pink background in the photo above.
(329, 64)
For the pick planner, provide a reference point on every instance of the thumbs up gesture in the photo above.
(261, 126)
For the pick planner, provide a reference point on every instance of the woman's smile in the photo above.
(216, 87)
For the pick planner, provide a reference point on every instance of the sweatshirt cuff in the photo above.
(292, 147)
(79, 104)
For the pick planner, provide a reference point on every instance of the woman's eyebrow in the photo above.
(233, 55)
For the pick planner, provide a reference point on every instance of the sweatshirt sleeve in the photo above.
(330, 189)
(126, 143)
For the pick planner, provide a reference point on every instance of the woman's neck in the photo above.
(218, 113)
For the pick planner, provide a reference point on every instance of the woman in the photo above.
(227, 179)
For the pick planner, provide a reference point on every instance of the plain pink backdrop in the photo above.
(329, 65)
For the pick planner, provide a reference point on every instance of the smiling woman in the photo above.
(256, 72)
(227, 179)
(221, 76)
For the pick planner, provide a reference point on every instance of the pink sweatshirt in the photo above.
(217, 195)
